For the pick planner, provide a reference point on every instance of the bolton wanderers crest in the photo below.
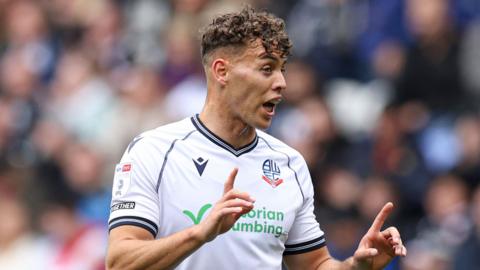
(271, 173)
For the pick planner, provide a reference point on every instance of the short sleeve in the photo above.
(305, 234)
(134, 195)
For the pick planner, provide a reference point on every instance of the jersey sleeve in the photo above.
(134, 193)
(305, 234)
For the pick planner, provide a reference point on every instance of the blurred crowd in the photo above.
(383, 101)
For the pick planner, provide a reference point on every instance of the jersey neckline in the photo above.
(219, 141)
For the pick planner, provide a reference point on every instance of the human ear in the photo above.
(219, 70)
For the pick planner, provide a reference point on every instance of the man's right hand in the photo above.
(226, 211)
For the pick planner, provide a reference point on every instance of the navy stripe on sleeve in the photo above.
(305, 246)
(134, 221)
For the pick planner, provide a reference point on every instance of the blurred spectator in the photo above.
(336, 192)
(470, 60)
(375, 192)
(75, 86)
(467, 253)
(21, 95)
(75, 243)
(183, 58)
(467, 129)
(104, 41)
(146, 25)
(388, 60)
(431, 74)
(281, 8)
(141, 106)
(382, 43)
(17, 241)
(338, 189)
(307, 127)
(344, 229)
(444, 227)
(27, 31)
(439, 145)
(201, 12)
(81, 166)
(324, 33)
(190, 92)
(5, 129)
(356, 107)
(302, 82)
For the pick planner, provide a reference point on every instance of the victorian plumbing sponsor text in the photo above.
(258, 220)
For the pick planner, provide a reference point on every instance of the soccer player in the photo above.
(214, 191)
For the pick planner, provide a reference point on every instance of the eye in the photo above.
(267, 69)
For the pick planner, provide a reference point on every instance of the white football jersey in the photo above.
(170, 177)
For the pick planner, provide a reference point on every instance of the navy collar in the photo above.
(219, 141)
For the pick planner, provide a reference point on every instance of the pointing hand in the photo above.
(377, 248)
(227, 210)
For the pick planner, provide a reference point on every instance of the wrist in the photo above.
(197, 233)
(352, 264)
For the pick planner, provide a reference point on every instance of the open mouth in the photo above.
(270, 105)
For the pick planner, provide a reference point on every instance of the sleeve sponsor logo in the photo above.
(122, 206)
(126, 167)
(122, 179)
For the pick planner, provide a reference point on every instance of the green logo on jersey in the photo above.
(198, 218)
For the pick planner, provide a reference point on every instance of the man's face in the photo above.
(255, 82)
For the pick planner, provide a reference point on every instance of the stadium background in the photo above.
(382, 100)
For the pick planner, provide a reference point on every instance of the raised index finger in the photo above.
(230, 180)
(381, 217)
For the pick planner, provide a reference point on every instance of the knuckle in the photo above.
(392, 228)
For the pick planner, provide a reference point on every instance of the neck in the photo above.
(226, 126)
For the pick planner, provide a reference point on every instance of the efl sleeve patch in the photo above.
(122, 179)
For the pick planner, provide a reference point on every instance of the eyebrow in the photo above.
(266, 55)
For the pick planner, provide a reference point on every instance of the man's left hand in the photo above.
(377, 248)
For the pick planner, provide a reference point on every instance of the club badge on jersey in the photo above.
(122, 179)
(271, 173)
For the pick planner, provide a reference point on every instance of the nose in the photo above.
(279, 84)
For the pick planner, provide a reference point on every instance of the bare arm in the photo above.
(316, 259)
(132, 247)
(376, 249)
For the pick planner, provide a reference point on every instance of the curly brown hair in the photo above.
(240, 28)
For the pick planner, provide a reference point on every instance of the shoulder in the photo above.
(172, 131)
(162, 137)
(277, 145)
